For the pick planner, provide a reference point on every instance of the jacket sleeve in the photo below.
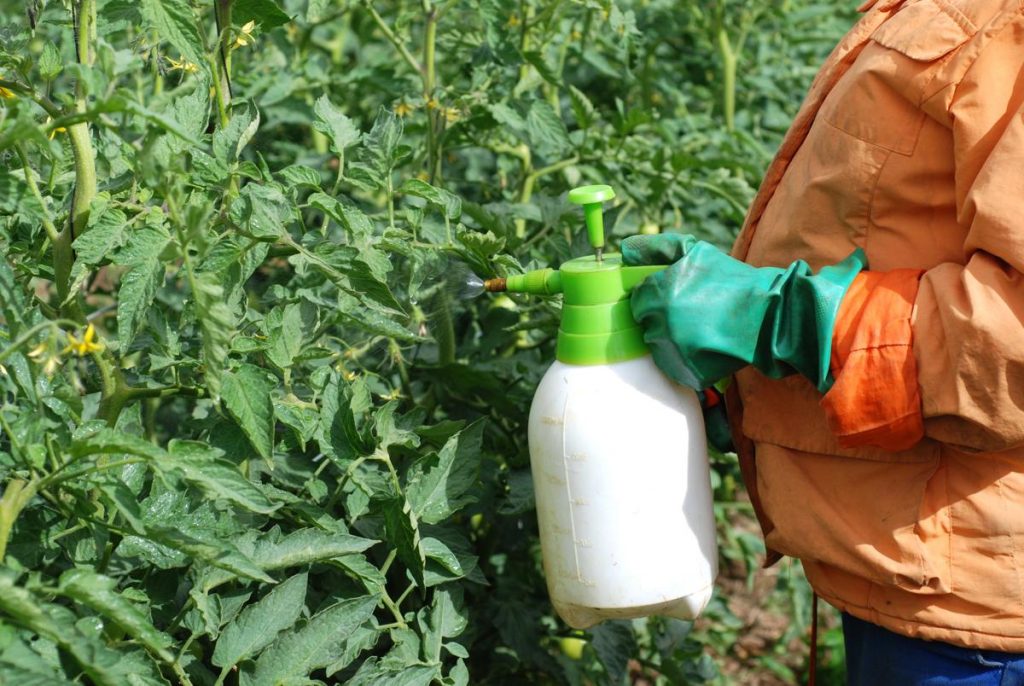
(968, 324)
(940, 353)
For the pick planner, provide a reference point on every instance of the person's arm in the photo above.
(941, 353)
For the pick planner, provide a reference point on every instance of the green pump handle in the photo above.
(591, 197)
(597, 324)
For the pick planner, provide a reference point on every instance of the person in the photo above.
(877, 400)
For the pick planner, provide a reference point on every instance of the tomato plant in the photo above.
(253, 430)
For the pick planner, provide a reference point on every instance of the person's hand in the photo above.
(708, 315)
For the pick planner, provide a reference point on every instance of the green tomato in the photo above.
(572, 646)
(476, 522)
(503, 302)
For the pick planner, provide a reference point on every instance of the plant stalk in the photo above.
(729, 62)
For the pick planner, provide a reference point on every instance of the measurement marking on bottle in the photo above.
(579, 501)
(578, 457)
(554, 479)
(555, 421)
(583, 543)
(568, 485)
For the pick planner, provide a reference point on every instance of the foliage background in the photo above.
(252, 429)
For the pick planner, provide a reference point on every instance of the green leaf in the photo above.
(262, 210)
(112, 442)
(447, 202)
(381, 151)
(266, 13)
(582, 108)
(106, 232)
(301, 175)
(258, 624)
(438, 483)
(50, 64)
(317, 644)
(287, 329)
(333, 123)
(547, 131)
(446, 618)
(201, 466)
(307, 546)
(378, 324)
(12, 300)
(374, 673)
(216, 323)
(509, 119)
(339, 436)
(135, 297)
(213, 551)
(246, 395)
(403, 531)
(614, 643)
(229, 141)
(98, 593)
(22, 607)
(174, 21)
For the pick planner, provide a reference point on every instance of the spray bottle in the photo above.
(617, 450)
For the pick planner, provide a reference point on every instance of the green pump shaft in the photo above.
(597, 324)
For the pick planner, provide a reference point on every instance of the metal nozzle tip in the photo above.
(496, 285)
(599, 252)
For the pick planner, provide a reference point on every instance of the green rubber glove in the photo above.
(708, 315)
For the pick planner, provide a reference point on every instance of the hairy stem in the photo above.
(728, 55)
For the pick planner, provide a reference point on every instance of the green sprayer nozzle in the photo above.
(597, 325)
(591, 198)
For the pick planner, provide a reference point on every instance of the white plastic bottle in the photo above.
(623, 493)
(618, 451)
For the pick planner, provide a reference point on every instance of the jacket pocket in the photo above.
(787, 412)
(883, 523)
(878, 100)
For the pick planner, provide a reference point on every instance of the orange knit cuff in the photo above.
(875, 399)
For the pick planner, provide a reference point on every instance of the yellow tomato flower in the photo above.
(88, 343)
(5, 93)
(433, 104)
(184, 65)
(45, 355)
(451, 114)
(38, 351)
(403, 109)
(245, 36)
(513, 21)
(55, 130)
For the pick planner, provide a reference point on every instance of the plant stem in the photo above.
(729, 61)
(222, 17)
(392, 38)
(51, 230)
(48, 105)
(435, 116)
(85, 164)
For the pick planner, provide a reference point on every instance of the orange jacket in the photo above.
(902, 489)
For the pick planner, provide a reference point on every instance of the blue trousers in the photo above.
(878, 657)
